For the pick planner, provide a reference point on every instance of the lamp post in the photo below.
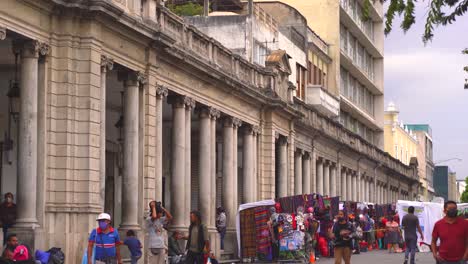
(13, 109)
(447, 160)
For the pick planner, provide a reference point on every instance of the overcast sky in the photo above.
(426, 84)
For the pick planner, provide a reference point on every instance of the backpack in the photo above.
(56, 256)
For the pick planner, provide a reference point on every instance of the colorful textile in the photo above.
(262, 230)
(334, 205)
(248, 233)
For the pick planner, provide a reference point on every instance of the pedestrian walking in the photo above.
(410, 224)
(156, 221)
(393, 234)
(342, 232)
(452, 231)
(107, 241)
(134, 246)
(7, 215)
(198, 243)
(221, 224)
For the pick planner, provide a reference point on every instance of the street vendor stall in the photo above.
(288, 228)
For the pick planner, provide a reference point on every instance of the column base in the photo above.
(32, 236)
(231, 249)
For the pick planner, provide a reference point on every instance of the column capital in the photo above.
(132, 77)
(282, 140)
(236, 122)
(299, 152)
(107, 63)
(230, 121)
(306, 155)
(30, 48)
(189, 103)
(214, 113)
(2, 33)
(161, 91)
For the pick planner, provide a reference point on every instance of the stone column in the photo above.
(248, 165)
(372, 192)
(256, 132)
(333, 181)
(130, 179)
(283, 167)
(313, 169)
(344, 195)
(355, 190)
(306, 174)
(204, 166)
(161, 94)
(236, 124)
(189, 106)
(349, 184)
(106, 64)
(178, 173)
(214, 114)
(320, 176)
(367, 190)
(298, 172)
(230, 170)
(27, 134)
(326, 178)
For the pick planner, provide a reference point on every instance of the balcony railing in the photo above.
(209, 50)
(317, 96)
(354, 10)
(334, 130)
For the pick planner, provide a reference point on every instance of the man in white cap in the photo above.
(107, 242)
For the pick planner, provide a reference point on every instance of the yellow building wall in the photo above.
(394, 136)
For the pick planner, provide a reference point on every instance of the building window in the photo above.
(317, 70)
(300, 81)
(344, 38)
(260, 53)
(396, 152)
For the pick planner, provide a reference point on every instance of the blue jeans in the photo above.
(5, 233)
(411, 245)
(135, 259)
(222, 234)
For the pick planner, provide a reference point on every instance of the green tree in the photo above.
(464, 196)
(188, 9)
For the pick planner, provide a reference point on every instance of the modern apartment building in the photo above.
(356, 48)
(445, 183)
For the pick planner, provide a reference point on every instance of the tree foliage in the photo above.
(440, 12)
(464, 196)
(188, 9)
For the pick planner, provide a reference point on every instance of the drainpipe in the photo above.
(250, 30)
(206, 8)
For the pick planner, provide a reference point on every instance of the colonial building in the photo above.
(425, 156)
(400, 142)
(121, 103)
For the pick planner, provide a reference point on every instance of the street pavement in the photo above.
(383, 257)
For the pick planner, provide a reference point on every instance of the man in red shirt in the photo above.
(453, 234)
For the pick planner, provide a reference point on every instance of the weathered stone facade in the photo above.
(201, 126)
